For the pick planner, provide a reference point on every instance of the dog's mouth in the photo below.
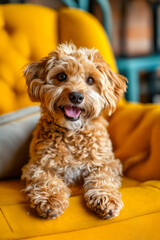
(71, 113)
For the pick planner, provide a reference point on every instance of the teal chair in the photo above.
(131, 67)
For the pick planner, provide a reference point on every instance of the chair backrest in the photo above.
(29, 32)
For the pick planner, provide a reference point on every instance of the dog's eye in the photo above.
(90, 81)
(61, 77)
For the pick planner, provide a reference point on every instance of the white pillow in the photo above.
(15, 137)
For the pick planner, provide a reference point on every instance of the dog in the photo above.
(77, 90)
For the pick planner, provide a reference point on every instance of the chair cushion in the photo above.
(141, 211)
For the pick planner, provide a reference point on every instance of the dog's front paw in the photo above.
(52, 207)
(107, 204)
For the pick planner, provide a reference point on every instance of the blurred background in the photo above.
(133, 27)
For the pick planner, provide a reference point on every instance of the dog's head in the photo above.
(74, 85)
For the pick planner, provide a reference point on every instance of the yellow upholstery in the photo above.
(138, 220)
(28, 33)
(135, 132)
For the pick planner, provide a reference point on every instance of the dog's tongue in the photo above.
(72, 112)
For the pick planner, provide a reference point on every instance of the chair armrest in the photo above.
(135, 133)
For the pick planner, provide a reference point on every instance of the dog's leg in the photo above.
(47, 193)
(101, 189)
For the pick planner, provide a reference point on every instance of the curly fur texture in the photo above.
(65, 151)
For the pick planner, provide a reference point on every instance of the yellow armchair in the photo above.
(27, 33)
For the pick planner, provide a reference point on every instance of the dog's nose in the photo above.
(76, 97)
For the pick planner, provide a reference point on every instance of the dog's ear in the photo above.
(114, 88)
(34, 79)
(35, 74)
(113, 85)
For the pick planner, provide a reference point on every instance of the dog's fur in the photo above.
(64, 152)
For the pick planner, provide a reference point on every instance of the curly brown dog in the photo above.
(71, 142)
